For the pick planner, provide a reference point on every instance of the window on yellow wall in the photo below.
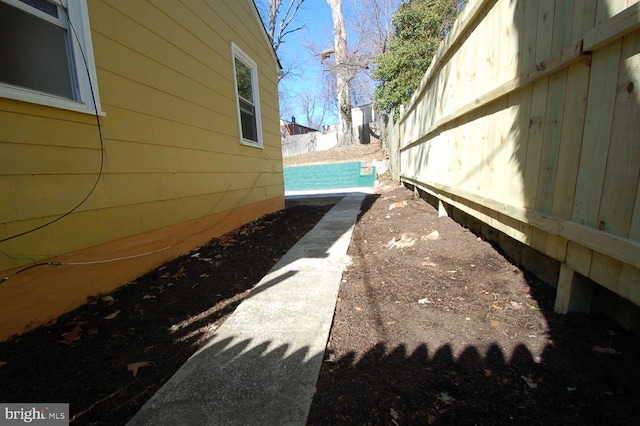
(248, 100)
(46, 54)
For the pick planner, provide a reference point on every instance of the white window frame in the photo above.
(84, 80)
(236, 52)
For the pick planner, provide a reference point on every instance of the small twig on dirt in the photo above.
(98, 402)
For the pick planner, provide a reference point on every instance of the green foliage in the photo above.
(419, 27)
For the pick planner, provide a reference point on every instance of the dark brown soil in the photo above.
(432, 326)
(159, 320)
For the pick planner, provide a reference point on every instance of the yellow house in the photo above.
(130, 132)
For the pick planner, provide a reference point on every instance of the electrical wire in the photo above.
(97, 115)
(133, 256)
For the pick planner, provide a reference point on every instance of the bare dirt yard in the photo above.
(366, 152)
(433, 326)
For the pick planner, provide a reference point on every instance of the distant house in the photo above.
(130, 132)
(291, 128)
(363, 119)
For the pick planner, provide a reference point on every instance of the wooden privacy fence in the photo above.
(529, 120)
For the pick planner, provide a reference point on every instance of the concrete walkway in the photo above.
(261, 366)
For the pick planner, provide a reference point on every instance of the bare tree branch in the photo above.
(282, 21)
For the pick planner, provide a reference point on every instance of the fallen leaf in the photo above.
(148, 296)
(516, 305)
(113, 315)
(445, 397)
(424, 301)
(406, 240)
(133, 367)
(392, 242)
(175, 327)
(432, 236)
(398, 205)
(605, 350)
(205, 275)
(2, 363)
(431, 419)
(488, 373)
(394, 414)
(71, 336)
(530, 382)
(107, 299)
(179, 274)
(358, 308)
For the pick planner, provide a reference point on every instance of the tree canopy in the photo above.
(419, 27)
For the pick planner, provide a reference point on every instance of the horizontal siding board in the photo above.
(26, 128)
(126, 157)
(24, 159)
(37, 196)
(150, 32)
(127, 94)
(198, 86)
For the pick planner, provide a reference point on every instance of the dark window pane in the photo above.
(243, 77)
(248, 120)
(34, 53)
(43, 6)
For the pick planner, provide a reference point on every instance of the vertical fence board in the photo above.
(595, 146)
(623, 163)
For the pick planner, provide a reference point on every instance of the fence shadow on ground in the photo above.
(570, 383)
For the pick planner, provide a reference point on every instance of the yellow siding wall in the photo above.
(172, 151)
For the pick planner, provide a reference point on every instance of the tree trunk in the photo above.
(345, 133)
